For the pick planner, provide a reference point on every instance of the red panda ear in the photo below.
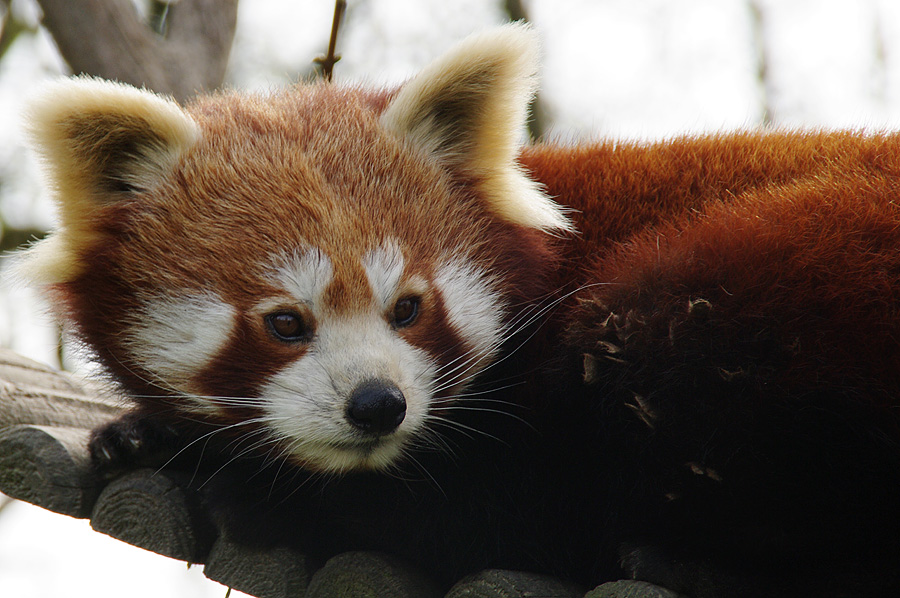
(99, 141)
(468, 109)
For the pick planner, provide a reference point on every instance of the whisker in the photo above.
(464, 369)
(446, 377)
(467, 430)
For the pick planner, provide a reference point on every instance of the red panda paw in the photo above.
(129, 442)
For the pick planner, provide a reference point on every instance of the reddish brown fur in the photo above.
(800, 227)
(297, 151)
(617, 188)
(679, 191)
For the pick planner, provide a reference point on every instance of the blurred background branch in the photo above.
(181, 49)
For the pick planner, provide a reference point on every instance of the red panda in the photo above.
(371, 319)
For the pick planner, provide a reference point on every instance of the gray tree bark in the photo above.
(108, 39)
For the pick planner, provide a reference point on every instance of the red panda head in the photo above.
(318, 269)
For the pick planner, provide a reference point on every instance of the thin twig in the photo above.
(327, 62)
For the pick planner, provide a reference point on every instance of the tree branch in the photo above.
(106, 38)
(327, 62)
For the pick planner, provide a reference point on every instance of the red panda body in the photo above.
(742, 314)
(364, 317)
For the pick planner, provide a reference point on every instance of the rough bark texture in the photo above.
(107, 38)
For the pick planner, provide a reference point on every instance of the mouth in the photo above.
(360, 454)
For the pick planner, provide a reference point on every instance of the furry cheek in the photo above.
(174, 338)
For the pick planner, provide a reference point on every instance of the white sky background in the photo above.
(636, 69)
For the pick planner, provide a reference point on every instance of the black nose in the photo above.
(376, 407)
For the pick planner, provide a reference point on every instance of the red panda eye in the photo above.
(287, 326)
(405, 312)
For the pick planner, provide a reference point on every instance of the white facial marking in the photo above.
(473, 307)
(174, 338)
(306, 402)
(384, 268)
(305, 274)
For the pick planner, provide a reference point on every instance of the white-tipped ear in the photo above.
(468, 107)
(99, 143)
(100, 139)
